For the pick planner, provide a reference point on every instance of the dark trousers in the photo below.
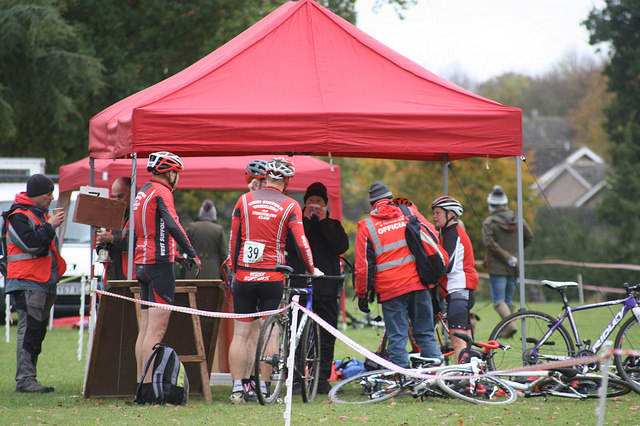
(327, 309)
(33, 315)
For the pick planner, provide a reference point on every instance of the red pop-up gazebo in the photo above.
(303, 80)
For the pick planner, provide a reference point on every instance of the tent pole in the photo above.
(445, 174)
(132, 230)
(92, 181)
(520, 231)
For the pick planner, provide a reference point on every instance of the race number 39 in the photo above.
(253, 252)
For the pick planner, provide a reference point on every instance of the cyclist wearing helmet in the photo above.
(260, 223)
(459, 283)
(157, 229)
(256, 174)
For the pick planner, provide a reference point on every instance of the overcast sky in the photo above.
(483, 38)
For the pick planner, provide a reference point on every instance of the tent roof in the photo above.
(216, 173)
(303, 80)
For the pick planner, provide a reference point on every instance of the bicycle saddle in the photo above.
(556, 285)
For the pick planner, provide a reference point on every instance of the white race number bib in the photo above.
(253, 252)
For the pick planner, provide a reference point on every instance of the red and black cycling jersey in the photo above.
(259, 226)
(157, 226)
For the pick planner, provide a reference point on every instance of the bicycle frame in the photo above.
(628, 303)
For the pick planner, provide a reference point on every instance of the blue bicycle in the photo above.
(542, 338)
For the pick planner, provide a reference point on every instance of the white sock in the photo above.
(237, 386)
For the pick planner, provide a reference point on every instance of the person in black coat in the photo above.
(328, 241)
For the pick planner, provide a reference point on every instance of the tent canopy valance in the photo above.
(303, 80)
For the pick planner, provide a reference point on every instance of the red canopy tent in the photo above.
(217, 173)
(303, 80)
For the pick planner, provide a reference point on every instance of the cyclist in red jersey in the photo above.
(157, 229)
(259, 227)
(458, 285)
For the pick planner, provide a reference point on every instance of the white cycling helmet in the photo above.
(449, 204)
(163, 162)
(280, 168)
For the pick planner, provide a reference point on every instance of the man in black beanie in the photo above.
(328, 241)
(33, 270)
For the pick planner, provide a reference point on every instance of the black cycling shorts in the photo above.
(251, 297)
(459, 305)
(157, 283)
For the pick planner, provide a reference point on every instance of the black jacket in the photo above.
(328, 241)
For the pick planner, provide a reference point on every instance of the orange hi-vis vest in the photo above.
(22, 263)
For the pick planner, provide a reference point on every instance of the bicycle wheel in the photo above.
(308, 362)
(584, 387)
(557, 346)
(476, 389)
(271, 360)
(628, 366)
(365, 388)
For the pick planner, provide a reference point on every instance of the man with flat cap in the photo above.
(385, 265)
(33, 270)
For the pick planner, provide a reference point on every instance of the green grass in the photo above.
(59, 367)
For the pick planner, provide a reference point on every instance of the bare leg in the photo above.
(157, 323)
(238, 350)
(144, 320)
(252, 344)
(458, 344)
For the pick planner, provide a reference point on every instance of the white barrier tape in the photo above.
(361, 349)
(409, 372)
(192, 311)
(627, 352)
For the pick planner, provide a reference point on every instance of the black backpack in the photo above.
(170, 384)
(429, 262)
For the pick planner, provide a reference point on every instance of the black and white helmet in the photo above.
(163, 162)
(280, 168)
(449, 204)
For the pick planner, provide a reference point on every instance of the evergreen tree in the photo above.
(618, 24)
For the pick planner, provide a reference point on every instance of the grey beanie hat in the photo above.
(39, 184)
(208, 210)
(497, 197)
(378, 191)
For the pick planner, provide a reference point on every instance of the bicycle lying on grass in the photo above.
(542, 338)
(273, 345)
(464, 381)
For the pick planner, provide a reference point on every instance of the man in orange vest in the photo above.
(33, 270)
(385, 264)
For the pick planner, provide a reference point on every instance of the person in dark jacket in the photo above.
(33, 271)
(500, 237)
(117, 242)
(209, 241)
(328, 241)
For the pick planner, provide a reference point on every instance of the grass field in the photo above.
(59, 367)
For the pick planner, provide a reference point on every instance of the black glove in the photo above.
(194, 262)
(363, 305)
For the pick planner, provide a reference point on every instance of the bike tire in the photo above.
(587, 386)
(559, 344)
(476, 389)
(271, 360)
(369, 387)
(308, 362)
(628, 338)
